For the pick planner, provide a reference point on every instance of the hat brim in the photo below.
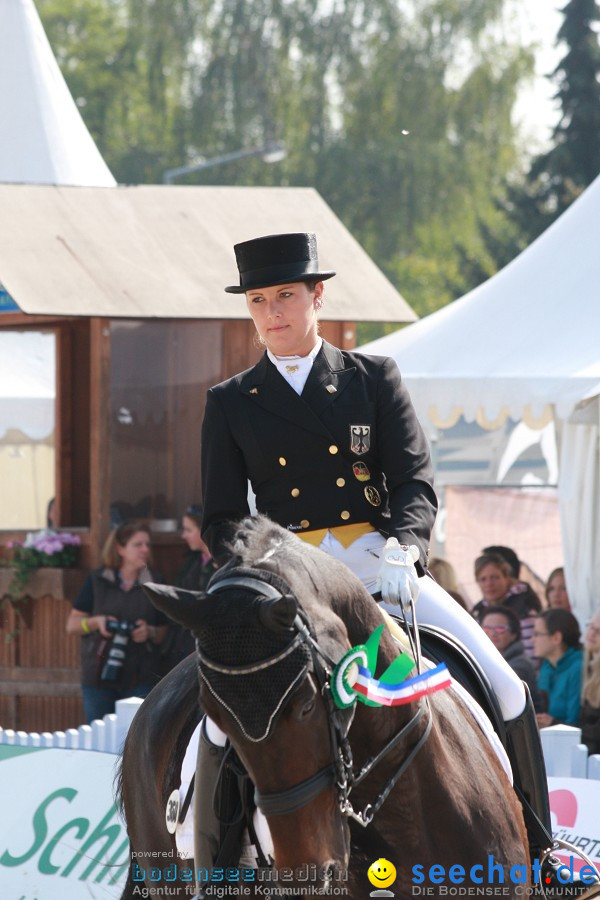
(291, 278)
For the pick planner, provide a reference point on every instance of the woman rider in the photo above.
(332, 447)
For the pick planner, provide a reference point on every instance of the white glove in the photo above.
(397, 576)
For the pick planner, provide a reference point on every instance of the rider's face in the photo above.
(285, 316)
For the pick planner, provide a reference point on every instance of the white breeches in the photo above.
(436, 607)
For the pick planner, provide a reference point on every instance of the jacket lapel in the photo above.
(267, 389)
(328, 378)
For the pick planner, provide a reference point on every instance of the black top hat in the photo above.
(277, 259)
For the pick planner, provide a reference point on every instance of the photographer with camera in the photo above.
(120, 630)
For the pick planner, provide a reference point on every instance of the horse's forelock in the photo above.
(329, 593)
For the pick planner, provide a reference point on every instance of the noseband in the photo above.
(341, 770)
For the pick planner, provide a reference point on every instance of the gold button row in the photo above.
(332, 449)
(345, 515)
(295, 492)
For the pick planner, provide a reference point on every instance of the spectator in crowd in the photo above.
(590, 708)
(556, 590)
(499, 587)
(194, 575)
(508, 554)
(556, 640)
(198, 565)
(444, 573)
(51, 521)
(503, 628)
(120, 629)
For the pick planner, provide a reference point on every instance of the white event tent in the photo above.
(44, 138)
(526, 344)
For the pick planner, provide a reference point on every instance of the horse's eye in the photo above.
(307, 708)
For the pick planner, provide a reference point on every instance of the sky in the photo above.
(539, 22)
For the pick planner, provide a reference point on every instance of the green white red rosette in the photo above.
(352, 678)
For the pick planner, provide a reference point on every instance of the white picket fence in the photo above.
(105, 735)
(566, 756)
(564, 753)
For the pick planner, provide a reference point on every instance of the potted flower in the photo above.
(46, 548)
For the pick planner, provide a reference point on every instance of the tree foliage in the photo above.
(561, 174)
(397, 111)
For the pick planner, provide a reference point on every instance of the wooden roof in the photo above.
(167, 251)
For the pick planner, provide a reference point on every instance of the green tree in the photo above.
(398, 113)
(559, 175)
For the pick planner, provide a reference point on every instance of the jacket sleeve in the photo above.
(406, 463)
(224, 479)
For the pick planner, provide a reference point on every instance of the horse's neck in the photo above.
(375, 734)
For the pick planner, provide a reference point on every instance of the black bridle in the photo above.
(341, 770)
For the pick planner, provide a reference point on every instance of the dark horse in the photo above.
(269, 631)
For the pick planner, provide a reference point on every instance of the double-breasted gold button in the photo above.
(304, 523)
(340, 482)
(282, 461)
(344, 514)
(333, 449)
(295, 492)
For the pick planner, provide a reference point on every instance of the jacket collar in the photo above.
(328, 378)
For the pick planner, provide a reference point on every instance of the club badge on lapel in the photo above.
(360, 439)
(361, 472)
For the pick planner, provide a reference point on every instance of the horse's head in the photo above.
(263, 666)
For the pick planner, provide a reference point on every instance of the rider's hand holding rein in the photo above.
(397, 575)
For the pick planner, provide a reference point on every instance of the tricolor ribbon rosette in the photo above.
(352, 678)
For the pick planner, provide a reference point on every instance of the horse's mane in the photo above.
(318, 581)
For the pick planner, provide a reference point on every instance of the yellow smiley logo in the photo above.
(382, 873)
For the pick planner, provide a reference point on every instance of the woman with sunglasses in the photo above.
(503, 628)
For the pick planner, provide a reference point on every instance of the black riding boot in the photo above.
(207, 827)
(219, 819)
(524, 749)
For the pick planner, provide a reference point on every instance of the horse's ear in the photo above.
(188, 608)
(278, 614)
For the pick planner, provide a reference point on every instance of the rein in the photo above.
(341, 770)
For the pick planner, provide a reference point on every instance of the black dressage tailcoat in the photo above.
(349, 449)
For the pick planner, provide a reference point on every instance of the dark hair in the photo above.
(565, 622)
(509, 555)
(120, 536)
(511, 617)
(492, 559)
(311, 283)
(194, 512)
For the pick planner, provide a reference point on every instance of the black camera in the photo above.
(113, 667)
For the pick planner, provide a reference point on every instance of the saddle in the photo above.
(440, 646)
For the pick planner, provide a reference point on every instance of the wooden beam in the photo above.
(100, 426)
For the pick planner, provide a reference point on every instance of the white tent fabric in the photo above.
(44, 138)
(27, 383)
(526, 344)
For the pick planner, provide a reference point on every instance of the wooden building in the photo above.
(125, 286)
